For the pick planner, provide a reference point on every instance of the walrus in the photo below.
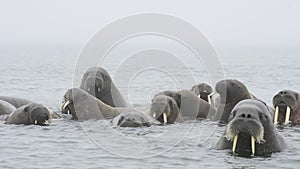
(29, 114)
(203, 91)
(83, 106)
(189, 104)
(6, 108)
(133, 119)
(16, 102)
(97, 82)
(250, 131)
(19, 102)
(287, 107)
(164, 109)
(231, 92)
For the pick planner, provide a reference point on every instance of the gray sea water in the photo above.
(43, 73)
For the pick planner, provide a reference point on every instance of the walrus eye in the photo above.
(105, 75)
(26, 109)
(233, 113)
(261, 115)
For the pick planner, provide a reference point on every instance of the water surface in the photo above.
(44, 73)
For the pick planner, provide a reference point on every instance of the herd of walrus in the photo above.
(251, 123)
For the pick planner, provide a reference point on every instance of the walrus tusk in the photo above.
(35, 122)
(276, 116)
(199, 96)
(154, 115)
(209, 97)
(46, 122)
(65, 104)
(252, 145)
(99, 89)
(165, 118)
(89, 89)
(68, 111)
(287, 115)
(234, 143)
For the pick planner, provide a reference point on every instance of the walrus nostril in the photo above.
(246, 115)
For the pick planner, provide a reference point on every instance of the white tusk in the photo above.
(199, 95)
(276, 116)
(99, 89)
(68, 111)
(234, 143)
(154, 115)
(65, 104)
(35, 122)
(165, 118)
(89, 89)
(46, 122)
(287, 115)
(209, 97)
(253, 145)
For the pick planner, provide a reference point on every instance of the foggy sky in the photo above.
(230, 22)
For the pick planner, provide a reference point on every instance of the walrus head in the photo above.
(81, 105)
(68, 102)
(203, 91)
(132, 119)
(38, 114)
(67, 106)
(232, 91)
(285, 103)
(164, 109)
(94, 81)
(248, 124)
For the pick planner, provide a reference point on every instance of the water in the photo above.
(44, 73)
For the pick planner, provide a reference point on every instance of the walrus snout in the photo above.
(244, 134)
(164, 109)
(67, 106)
(40, 116)
(202, 90)
(285, 102)
(247, 125)
(94, 85)
(66, 103)
(133, 119)
(160, 111)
